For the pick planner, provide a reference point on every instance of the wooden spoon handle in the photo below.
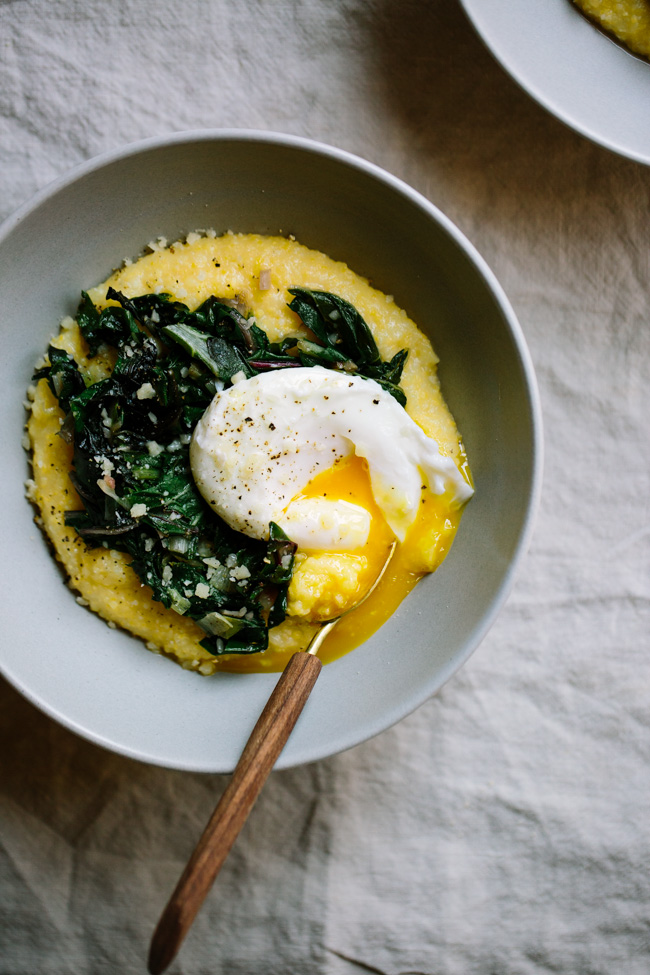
(262, 749)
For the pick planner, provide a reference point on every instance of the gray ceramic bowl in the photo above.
(102, 683)
(576, 72)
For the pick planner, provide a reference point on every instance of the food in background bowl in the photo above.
(627, 21)
(225, 443)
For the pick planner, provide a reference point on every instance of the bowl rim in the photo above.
(349, 159)
(493, 41)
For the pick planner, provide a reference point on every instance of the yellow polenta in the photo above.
(628, 20)
(230, 268)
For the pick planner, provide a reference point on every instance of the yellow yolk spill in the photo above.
(349, 481)
(424, 548)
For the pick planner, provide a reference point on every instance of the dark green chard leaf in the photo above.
(223, 359)
(114, 326)
(222, 318)
(388, 375)
(312, 354)
(272, 355)
(345, 340)
(87, 317)
(131, 435)
(152, 311)
(63, 376)
(337, 324)
(391, 371)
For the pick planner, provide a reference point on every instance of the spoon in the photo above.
(261, 751)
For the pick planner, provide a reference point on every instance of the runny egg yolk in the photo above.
(340, 579)
(421, 552)
(423, 549)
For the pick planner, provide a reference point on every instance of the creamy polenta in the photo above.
(257, 272)
(626, 20)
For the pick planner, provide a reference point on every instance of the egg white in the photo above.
(261, 441)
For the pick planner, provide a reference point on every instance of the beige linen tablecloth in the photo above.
(503, 828)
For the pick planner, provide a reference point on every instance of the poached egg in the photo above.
(263, 441)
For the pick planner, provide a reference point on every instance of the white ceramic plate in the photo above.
(104, 684)
(571, 68)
